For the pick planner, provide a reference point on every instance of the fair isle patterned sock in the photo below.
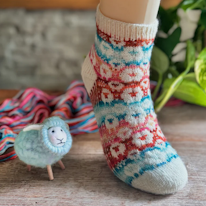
(116, 76)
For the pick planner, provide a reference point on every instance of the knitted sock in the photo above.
(116, 76)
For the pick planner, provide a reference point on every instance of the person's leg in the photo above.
(116, 76)
(131, 11)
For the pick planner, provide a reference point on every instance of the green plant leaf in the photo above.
(166, 20)
(190, 54)
(190, 59)
(188, 91)
(159, 61)
(202, 54)
(200, 71)
(203, 18)
(168, 44)
(173, 71)
(193, 4)
(191, 76)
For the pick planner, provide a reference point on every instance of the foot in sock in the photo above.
(116, 76)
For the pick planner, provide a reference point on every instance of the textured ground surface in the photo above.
(43, 48)
(87, 179)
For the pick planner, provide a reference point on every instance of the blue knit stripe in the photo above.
(110, 108)
(118, 101)
(103, 49)
(167, 152)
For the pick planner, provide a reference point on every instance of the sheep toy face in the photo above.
(57, 136)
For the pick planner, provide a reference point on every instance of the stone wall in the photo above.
(43, 48)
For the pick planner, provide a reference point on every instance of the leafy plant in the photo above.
(190, 60)
(203, 18)
(188, 91)
(160, 63)
(183, 79)
(193, 4)
(168, 44)
(200, 69)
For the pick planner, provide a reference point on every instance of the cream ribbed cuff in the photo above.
(125, 31)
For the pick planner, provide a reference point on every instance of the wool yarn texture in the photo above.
(116, 76)
(31, 106)
(7, 138)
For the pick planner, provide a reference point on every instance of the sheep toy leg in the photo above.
(29, 167)
(50, 173)
(49, 169)
(61, 164)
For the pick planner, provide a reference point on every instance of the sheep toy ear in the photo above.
(33, 127)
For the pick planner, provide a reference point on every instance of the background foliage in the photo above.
(178, 63)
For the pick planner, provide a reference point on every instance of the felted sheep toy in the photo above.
(42, 145)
